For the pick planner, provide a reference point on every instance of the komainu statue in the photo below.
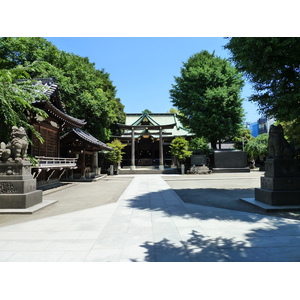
(16, 149)
(278, 146)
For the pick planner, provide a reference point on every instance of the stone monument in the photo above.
(230, 161)
(17, 186)
(280, 185)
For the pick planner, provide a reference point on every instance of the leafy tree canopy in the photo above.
(173, 110)
(258, 147)
(242, 138)
(199, 145)
(272, 64)
(115, 156)
(16, 99)
(87, 93)
(207, 95)
(179, 148)
(292, 134)
(146, 111)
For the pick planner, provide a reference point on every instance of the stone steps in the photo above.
(147, 170)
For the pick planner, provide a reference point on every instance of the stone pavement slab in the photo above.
(150, 223)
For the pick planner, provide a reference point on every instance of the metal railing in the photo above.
(55, 162)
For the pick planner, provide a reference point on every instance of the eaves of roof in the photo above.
(56, 113)
(87, 137)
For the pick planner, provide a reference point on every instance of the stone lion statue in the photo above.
(278, 146)
(16, 149)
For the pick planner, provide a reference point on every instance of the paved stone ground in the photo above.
(223, 191)
(73, 197)
(148, 223)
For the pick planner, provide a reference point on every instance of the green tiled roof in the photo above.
(159, 119)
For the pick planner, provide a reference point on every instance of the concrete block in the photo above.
(21, 200)
(277, 197)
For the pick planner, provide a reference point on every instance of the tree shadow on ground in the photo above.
(168, 202)
(254, 236)
(228, 199)
(259, 246)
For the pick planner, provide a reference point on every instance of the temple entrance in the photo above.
(147, 151)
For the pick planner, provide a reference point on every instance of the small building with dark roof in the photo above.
(51, 165)
(85, 148)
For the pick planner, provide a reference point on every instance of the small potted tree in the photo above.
(115, 156)
(179, 149)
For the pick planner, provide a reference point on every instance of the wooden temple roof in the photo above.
(54, 106)
(87, 139)
(53, 111)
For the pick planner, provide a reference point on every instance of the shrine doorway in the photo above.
(147, 152)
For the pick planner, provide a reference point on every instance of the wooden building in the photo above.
(85, 148)
(148, 137)
(51, 165)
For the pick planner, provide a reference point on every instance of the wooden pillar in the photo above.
(83, 164)
(161, 153)
(93, 162)
(132, 150)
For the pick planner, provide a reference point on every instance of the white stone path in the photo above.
(150, 223)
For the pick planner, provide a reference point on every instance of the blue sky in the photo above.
(143, 68)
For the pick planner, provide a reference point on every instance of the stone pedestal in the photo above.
(281, 184)
(17, 186)
(230, 161)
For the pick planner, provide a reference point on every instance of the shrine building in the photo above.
(67, 150)
(148, 137)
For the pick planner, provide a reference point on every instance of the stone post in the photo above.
(17, 186)
(132, 150)
(161, 150)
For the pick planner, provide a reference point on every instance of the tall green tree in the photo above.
(207, 95)
(87, 93)
(272, 64)
(16, 102)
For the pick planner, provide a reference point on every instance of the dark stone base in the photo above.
(270, 208)
(230, 170)
(278, 197)
(21, 200)
(280, 183)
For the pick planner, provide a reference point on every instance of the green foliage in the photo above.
(86, 92)
(207, 95)
(115, 156)
(146, 111)
(16, 102)
(199, 146)
(258, 147)
(179, 149)
(272, 64)
(242, 138)
(292, 134)
(173, 110)
(19, 51)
